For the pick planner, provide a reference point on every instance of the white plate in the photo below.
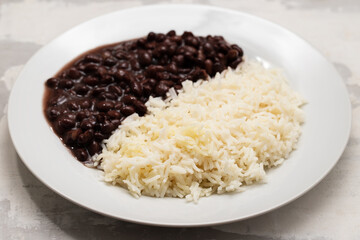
(324, 137)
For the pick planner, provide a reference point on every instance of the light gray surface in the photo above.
(29, 210)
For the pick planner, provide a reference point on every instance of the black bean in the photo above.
(73, 105)
(86, 137)
(52, 82)
(110, 61)
(101, 71)
(160, 37)
(106, 54)
(84, 104)
(218, 67)
(187, 34)
(141, 42)
(65, 83)
(179, 60)
(223, 47)
(151, 36)
(87, 123)
(232, 54)
(123, 75)
(167, 83)
(128, 99)
(81, 154)
(110, 95)
(162, 75)
(144, 58)
(107, 127)
(192, 41)
(140, 107)
(81, 89)
(136, 87)
(90, 80)
(161, 89)
(73, 73)
(104, 106)
(239, 49)
(172, 68)
(124, 65)
(107, 79)
(171, 50)
(81, 115)
(71, 136)
(92, 58)
(65, 123)
(235, 63)
(52, 113)
(121, 55)
(94, 148)
(97, 91)
(152, 82)
(135, 65)
(91, 67)
(98, 136)
(115, 89)
(147, 89)
(153, 69)
(127, 110)
(114, 114)
(171, 33)
(100, 117)
(118, 105)
(208, 48)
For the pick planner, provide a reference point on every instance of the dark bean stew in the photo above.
(93, 94)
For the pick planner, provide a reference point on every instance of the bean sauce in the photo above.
(90, 97)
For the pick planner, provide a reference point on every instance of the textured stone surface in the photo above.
(29, 210)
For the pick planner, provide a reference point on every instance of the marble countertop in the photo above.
(331, 210)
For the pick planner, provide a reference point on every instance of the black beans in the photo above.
(144, 58)
(73, 73)
(232, 54)
(94, 148)
(65, 83)
(92, 58)
(81, 89)
(87, 100)
(71, 136)
(52, 82)
(87, 123)
(140, 107)
(115, 89)
(208, 66)
(161, 89)
(86, 137)
(124, 75)
(114, 114)
(81, 154)
(104, 106)
(127, 110)
(107, 127)
(65, 123)
(136, 88)
(91, 80)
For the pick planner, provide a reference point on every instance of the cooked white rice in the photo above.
(213, 137)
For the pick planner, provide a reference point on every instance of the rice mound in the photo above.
(212, 137)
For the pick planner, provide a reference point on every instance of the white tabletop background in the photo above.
(331, 210)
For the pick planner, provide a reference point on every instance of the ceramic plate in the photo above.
(324, 137)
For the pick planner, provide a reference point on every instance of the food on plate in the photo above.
(210, 137)
(90, 97)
